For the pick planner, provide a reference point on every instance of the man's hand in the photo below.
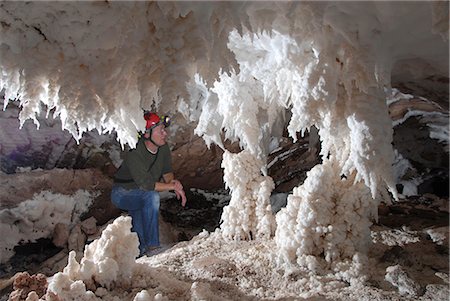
(179, 192)
(171, 184)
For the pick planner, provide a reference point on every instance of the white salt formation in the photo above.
(109, 271)
(249, 215)
(400, 279)
(107, 262)
(36, 218)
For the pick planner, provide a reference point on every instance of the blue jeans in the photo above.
(143, 207)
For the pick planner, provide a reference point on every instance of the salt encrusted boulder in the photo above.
(36, 218)
(28, 287)
(398, 277)
(48, 198)
(22, 186)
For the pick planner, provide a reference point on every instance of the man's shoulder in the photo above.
(139, 150)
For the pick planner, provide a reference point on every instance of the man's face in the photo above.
(159, 135)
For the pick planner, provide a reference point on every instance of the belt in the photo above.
(123, 180)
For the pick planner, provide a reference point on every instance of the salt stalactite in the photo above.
(75, 58)
(249, 215)
(86, 73)
(108, 261)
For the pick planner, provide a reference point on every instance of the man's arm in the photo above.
(171, 184)
(168, 177)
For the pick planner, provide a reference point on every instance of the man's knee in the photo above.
(153, 199)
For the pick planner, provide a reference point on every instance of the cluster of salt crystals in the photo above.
(81, 67)
(248, 215)
(107, 262)
(332, 220)
(246, 104)
(208, 127)
(36, 218)
(145, 296)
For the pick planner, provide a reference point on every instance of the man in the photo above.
(145, 171)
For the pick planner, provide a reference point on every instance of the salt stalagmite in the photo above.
(249, 215)
(326, 220)
(107, 262)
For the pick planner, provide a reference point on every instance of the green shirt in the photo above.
(141, 169)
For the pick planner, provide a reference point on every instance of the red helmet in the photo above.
(153, 120)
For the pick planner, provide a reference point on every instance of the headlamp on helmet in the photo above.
(165, 120)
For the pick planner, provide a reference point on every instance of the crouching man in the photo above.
(145, 171)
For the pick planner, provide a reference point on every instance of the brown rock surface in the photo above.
(60, 235)
(19, 187)
(24, 284)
